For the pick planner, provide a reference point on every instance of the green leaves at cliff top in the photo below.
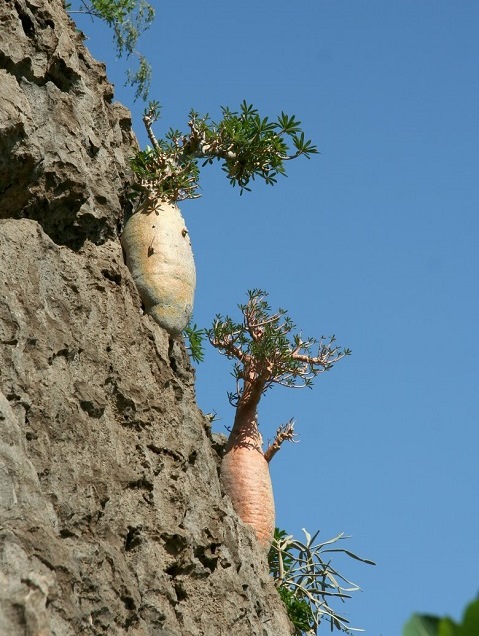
(128, 19)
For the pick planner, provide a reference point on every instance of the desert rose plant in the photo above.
(267, 351)
(155, 238)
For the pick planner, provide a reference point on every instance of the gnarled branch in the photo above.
(284, 433)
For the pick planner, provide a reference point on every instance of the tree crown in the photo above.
(247, 144)
(268, 350)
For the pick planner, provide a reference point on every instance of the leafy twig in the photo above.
(128, 19)
(308, 583)
(268, 351)
(247, 145)
(195, 337)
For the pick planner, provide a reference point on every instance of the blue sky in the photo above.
(374, 240)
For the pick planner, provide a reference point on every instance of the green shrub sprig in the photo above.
(268, 350)
(128, 19)
(307, 582)
(195, 336)
(247, 145)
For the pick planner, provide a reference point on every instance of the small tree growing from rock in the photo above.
(267, 351)
(155, 239)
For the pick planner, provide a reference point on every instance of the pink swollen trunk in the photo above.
(246, 479)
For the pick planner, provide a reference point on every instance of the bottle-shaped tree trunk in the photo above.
(245, 472)
(159, 255)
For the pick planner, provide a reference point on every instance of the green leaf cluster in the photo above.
(128, 19)
(246, 144)
(307, 582)
(298, 609)
(425, 625)
(253, 146)
(195, 337)
(267, 350)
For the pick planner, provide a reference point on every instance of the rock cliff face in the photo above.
(112, 519)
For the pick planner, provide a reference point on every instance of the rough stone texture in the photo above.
(112, 519)
(63, 143)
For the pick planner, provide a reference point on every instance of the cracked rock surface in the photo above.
(64, 144)
(112, 518)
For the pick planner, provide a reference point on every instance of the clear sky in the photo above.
(374, 240)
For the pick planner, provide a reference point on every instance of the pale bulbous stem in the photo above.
(160, 258)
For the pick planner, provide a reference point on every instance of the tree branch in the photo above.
(268, 353)
(149, 119)
(226, 347)
(284, 432)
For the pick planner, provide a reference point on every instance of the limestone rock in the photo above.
(112, 518)
(63, 144)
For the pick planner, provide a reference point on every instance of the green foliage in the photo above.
(195, 337)
(140, 78)
(267, 350)
(307, 583)
(424, 625)
(298, 609)
(128, 19)
(247, 145)
(251, 145)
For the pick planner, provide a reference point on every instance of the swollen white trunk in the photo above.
(159, 256)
